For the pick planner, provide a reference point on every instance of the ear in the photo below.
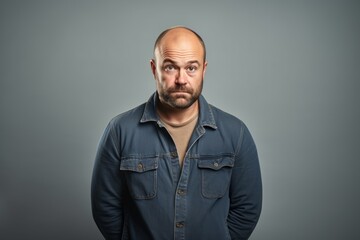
(205, 66)
(153, 67)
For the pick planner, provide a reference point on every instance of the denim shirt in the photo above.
(140, 191)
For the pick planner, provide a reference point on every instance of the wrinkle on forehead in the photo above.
(173, 53)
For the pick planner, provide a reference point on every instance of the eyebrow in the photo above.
(174, 62)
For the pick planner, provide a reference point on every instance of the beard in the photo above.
(180, 97)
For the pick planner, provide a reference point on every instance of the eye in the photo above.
(192, 68)
(169, 68)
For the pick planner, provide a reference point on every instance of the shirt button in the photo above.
(216, 164)
(173, 154)
(181, 192)
(180, 224)
(140, 167)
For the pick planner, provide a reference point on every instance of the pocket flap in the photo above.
(139, 164)
(217, 163)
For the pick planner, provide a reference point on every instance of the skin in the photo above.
(178, 68)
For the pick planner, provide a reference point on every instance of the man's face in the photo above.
(179, 69)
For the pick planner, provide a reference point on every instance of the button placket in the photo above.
(181, 212)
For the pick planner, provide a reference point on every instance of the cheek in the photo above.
(196, 78)
(199, 81)
(166, 79)
(162, 81)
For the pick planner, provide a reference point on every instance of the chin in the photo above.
(182, 104)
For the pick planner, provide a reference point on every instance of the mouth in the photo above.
(180, 91)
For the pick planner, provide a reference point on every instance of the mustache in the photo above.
(180, 89)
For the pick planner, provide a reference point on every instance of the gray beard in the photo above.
(172, 101)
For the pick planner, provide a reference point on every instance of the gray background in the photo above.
(288, 69)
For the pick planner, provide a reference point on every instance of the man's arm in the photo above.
(245, 189)
(107, 187)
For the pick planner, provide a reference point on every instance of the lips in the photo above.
(179, 92)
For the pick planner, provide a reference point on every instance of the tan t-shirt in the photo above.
(181, 134)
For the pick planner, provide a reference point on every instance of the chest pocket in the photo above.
(215, 176)
(141, 176)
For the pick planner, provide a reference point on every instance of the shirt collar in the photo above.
(206, 117)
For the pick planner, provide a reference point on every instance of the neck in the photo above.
(177, 116)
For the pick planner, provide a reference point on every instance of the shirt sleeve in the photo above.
(107, 187)
(245, 189)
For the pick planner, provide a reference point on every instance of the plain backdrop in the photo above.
(288, 69)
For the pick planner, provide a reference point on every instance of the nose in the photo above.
(181, 77)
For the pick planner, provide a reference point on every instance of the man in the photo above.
(176, 167)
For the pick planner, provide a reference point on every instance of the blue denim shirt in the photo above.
(139, 190)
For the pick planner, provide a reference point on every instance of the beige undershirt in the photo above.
(181, 134)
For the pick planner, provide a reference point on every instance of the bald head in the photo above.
(179, 35)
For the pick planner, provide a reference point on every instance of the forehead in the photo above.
(180, 43)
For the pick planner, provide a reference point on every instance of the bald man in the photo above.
(176, 167)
